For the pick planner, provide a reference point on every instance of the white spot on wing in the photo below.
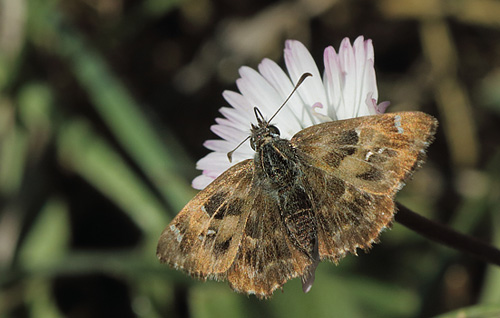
(397, 124)
(178, 235)
(368, 155)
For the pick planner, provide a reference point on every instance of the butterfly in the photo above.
(324, 193)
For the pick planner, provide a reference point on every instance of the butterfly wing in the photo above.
(267, 258)
(354, 168)
(204, 238)
(232, 230)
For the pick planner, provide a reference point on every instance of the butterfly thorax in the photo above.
(274, 156)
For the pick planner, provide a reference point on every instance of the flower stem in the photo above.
(447, 236)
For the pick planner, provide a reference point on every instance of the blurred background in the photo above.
(105, 104)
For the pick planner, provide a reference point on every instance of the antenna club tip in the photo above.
(303, 77)
(230, 156)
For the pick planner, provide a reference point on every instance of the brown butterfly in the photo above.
(326, 192)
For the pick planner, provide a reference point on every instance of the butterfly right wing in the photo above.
(373, 153)
(354, 168)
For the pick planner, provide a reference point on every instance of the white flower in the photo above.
(347, 89)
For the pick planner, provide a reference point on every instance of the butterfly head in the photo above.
(263, 132)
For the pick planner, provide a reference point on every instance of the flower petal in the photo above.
(333, 81)
(201, 181)
(295, 109)
(348, 89)
(240, 104)
(229, 133)
(298, 61)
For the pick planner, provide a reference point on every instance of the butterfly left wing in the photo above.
(232, 230)
(204, 238)
(267, 258)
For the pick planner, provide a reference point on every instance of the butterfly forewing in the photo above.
(353, 169)
(205, 236)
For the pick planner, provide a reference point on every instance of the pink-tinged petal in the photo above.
(350, 85)
(382, 107)
(213, 164)
(234, 118)
(333, 80)
(218, 145)
(298, 61)
(201, 181)
(359, 60)
(239, 102)
(229, 133)
(370, 66)
(374, 108)
(365, 73)
(352, 71)
(223, 146)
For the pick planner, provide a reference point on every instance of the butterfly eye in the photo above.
(252, 143)
(274, 131)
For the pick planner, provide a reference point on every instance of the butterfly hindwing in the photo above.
(267, 258)
(347, 218)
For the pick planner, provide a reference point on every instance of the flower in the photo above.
(348, 89)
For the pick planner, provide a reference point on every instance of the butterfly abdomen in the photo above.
(278, 161)
(297, 213)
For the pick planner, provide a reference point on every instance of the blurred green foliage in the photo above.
(104, 105)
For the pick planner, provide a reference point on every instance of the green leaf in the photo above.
(40, 301)
(48, 240)
(81, 150)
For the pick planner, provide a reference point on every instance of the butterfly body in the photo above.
(326, 192)
(279, 165)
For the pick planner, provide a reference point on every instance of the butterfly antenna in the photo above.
(260, 118)
(301, 79)
(230, 154)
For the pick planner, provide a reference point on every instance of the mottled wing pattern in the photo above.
(232, 230)
(204, 238)
(267, 258)
(354, 168)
